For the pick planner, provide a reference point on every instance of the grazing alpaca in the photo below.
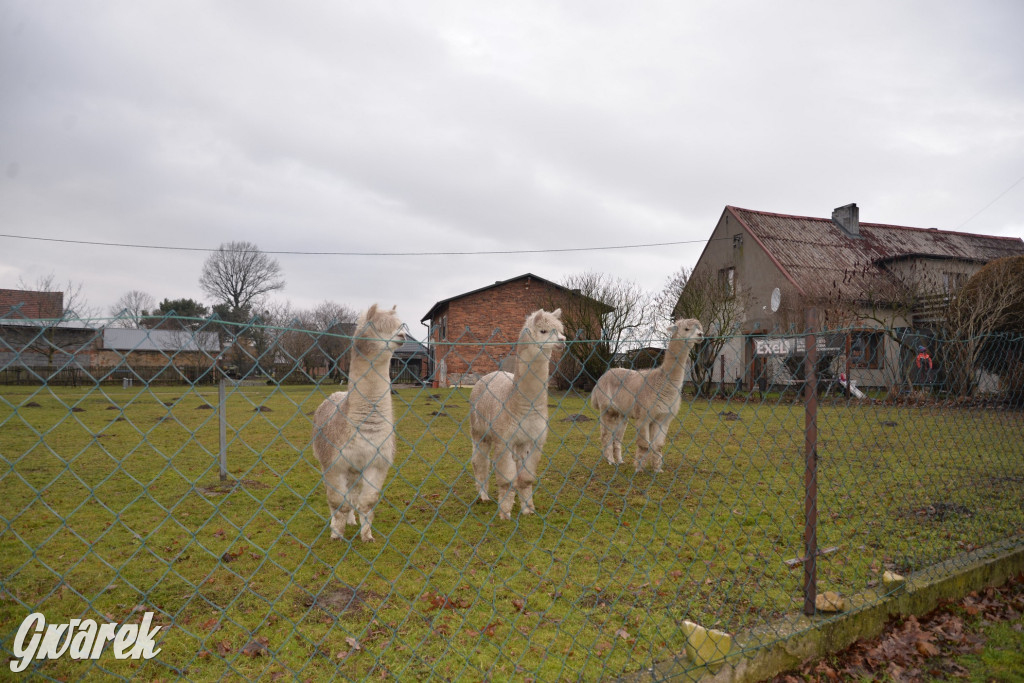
(354, 430)
(509, 413)
(650, 397)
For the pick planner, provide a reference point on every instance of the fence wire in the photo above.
(172, 471)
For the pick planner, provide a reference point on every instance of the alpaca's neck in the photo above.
(677, 355)
(529, 382)
(370, 378)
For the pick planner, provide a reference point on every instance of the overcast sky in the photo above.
(479, 126)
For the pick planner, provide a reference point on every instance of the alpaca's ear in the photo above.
(557, 313)
(673, 328)
(372, 311)
(394, 308)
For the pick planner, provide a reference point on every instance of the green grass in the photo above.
(108, 517)
(1002, 658)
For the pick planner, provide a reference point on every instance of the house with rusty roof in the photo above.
(862, 278)
(474, 333)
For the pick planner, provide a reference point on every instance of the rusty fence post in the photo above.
(811, 462)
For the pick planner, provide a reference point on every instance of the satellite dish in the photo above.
(776, 299)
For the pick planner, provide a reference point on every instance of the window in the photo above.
(952, 282)
(727, 280)
(866, 349)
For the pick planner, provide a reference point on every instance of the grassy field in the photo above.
(112, 506)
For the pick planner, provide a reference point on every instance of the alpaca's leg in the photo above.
(527, 476)
(505, 474)
(338, 485)
(659, 434)
(609, 426)
(369, 494)
(481, 466)
(643, 443)
(620, 430)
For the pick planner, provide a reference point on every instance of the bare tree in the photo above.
(609, 316)
(239, 274)
(75, 303)
(131, 308)
(336, 322)
(712, 300)
(991, 302)
(315, 338)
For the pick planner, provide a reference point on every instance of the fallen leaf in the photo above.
(353, 643)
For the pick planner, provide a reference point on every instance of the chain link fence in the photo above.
(174, 475)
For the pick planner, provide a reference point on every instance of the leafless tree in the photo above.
(609, 316)
(991, 302)
(715, 302)
(315, 338)
(75, 303)
(239, 274)
(131, 308)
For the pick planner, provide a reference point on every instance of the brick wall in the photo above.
(32, 304)
(482, 328)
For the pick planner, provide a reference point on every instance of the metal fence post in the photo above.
(811, 463)
(222, 409)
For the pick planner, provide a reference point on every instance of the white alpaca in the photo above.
(354, 430)
(650, 397)
(509, 414)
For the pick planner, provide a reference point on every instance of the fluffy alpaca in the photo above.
(650, 397)
(509, 414)
(354, 430)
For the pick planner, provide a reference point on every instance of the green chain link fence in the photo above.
(169, 471)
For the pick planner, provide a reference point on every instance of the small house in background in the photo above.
(410, 363)
(155, 355)
(474, 333)
(862, 277)
(640, 358)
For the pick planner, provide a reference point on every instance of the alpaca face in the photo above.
(546, 328)
(686, 329)
(382, 327)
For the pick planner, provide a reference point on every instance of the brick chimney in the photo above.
(848, 219)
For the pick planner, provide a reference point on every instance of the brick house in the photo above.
(474, 333)
(864, 278)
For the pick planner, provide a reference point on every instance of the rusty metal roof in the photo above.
(823, 260)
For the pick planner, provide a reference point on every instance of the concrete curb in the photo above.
(761, 653)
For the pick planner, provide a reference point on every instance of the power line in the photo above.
(363, 253)
(979, 212)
